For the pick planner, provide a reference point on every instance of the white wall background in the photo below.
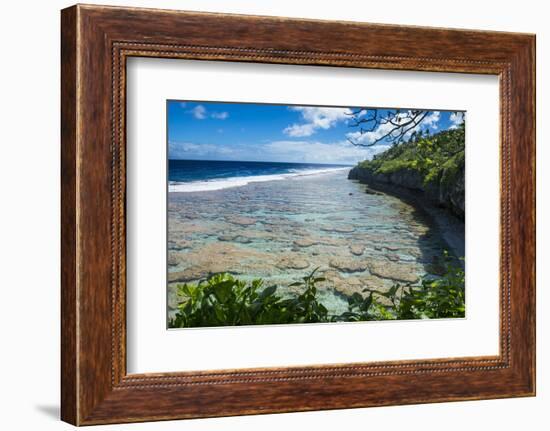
(29, 214)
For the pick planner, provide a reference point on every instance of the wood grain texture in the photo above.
(69, 397)
(96, 41)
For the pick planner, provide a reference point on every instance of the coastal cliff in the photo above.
(429, 167)
(446, 194)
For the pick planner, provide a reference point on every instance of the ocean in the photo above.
(206, 175)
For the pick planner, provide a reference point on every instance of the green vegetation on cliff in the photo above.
(437, 158)
(223, 300)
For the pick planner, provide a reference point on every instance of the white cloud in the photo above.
(199, 112)
(183, 150)
(317, 152)
(219, 115)
(340, 152)
(299, 130)
(315, 118)
(456, 118)
(431, 120)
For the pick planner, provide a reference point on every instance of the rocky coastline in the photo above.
(447, 191)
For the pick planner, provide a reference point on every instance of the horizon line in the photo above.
(261, 161)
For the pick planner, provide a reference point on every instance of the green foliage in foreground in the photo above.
(433, 298)
(437, 158)
(223, 300)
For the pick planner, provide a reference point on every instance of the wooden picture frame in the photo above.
(95, 43)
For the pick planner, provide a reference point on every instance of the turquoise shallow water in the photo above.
(282, 230)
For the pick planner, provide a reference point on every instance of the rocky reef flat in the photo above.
(282, 230)
(443, 203)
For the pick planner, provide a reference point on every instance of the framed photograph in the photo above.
(259, 216)
(269, 222)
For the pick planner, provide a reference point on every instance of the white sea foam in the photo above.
(220, 184)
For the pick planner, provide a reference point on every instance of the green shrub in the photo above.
(434, 297)
(436, 158)
(223, 300)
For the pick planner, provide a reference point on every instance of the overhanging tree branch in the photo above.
(396, 124)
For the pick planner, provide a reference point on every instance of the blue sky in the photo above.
(277, 133)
